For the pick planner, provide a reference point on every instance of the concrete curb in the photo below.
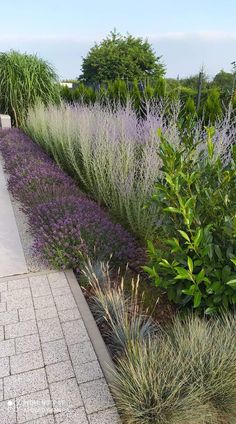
(97, 341)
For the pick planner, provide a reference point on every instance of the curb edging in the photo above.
(97, 341)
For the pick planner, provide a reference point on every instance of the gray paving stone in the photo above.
(8, 317)
(26, 361)
(46, 313)
(110, 416)
(38, 280)
(65, 395)
(60, 291)
(7, 348)
(26, 314)
(81, 353)
(49, 419)
(24, 383)
(57, 279)
(43, 302)
(76, 416)
(18, 298)
(75, 332)
(3, 286)
(3, 306)
(55, 351)
(50, 329)
(20, 283)
(8, 412)
(1, 389)
(69, 315)
(1, 333)
(42, 289)
(27, 343)
(96, 395)
(88, 371)
(33, 406)
(60, 371)
(64, 302)
(20, 329)
(4, 367)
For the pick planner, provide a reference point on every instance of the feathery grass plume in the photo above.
(24, 80)
(185, 375)
(114, 154)
(119, 311)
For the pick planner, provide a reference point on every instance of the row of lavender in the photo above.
(66, 225)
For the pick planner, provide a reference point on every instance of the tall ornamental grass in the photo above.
(114, 154)
(24, 80)
(186, 375)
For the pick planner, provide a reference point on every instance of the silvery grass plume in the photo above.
(121, 314)
(114, 154)
(186, 375)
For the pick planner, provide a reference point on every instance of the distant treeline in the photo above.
(198, 96)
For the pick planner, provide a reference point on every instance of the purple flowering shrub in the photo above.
(66, 225)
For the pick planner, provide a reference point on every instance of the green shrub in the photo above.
(186, 375)
(212, 107)
(194, 257)
(24, 80)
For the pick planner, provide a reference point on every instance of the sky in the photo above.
(188, 34)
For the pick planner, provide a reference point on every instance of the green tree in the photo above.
(213, 109)
(24, 80)
(224, 81)
(121, 57)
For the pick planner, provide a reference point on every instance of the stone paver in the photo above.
(33, 406)
(49, 372)
(27, 343)
(65, 395)
(26, 361)
(24, 383)
(60, 371)
(55, 351)
(96, 396)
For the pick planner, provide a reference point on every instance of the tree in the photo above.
(24, 80)
(121, 57)
(225, 81)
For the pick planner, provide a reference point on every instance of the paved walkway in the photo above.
(12, 260)
(49, 371)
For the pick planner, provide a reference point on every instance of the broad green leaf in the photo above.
(190, 264)
(171, 209)
(183, 274)
(197, 299)
(200, 276)
(232, 283)
(184, 235)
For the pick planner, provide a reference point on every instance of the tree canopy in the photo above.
(121, 57)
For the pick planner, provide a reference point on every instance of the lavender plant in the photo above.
(66, 225)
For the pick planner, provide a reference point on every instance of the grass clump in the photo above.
(117, 310)
(185, 375)
(24, 80)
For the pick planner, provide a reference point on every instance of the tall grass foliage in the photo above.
(114, 154)
(186, 375)
(24, 80)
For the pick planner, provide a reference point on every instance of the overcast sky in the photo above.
(187, 34)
